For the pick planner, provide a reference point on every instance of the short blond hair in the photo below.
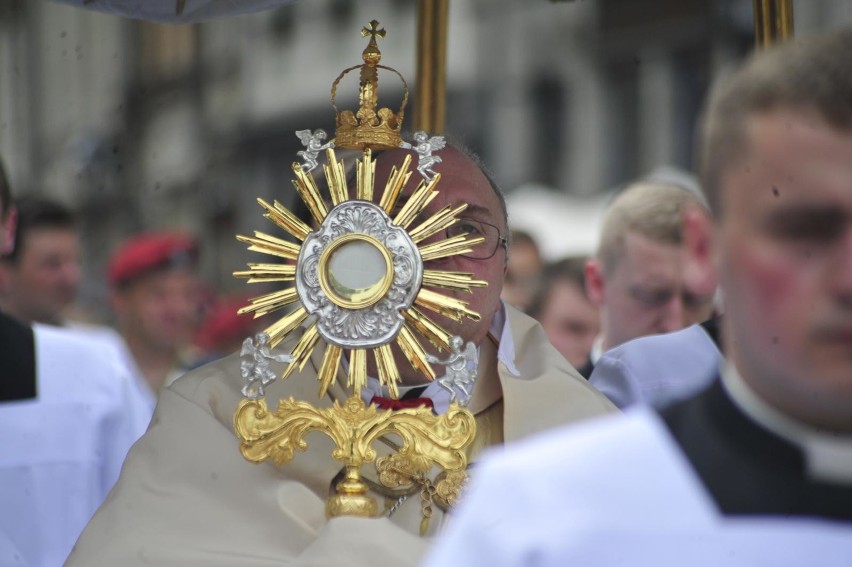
(653, 210)
(810, 74)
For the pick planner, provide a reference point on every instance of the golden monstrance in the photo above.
(356, 284)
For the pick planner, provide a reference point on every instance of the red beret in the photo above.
(149, 252)
(223, 326)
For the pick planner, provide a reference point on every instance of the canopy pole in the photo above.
(773, 21)
(430, 95)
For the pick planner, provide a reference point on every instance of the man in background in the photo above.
(566, 314)
(659, 370)
(40, 276)
(636, 276)
(523, 270)
(222, 331)
(155, 297)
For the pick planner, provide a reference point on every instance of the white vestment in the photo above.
(112, 340)
(658, 370)
(61, 452)
(618, 491)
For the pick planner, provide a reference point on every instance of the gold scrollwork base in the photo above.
(402, 470)
(427, 440)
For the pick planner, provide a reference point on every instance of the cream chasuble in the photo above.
(187, 497)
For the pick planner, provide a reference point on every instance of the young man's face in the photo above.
(645, 292)
(570, 320)
(785, 237)
(44, 278)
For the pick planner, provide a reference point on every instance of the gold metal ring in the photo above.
(352, 298)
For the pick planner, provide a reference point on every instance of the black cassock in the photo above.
(17, 360)
(747, 469)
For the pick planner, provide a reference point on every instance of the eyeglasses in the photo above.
(473, 229)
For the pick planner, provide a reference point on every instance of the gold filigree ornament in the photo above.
(358, 284)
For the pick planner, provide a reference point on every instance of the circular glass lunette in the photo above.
(355, 271)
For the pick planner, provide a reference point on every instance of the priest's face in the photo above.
(785, 236)
(461, 182)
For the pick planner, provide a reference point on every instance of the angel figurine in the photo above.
(313, 146)
(256, 370)
(424, 147)
(460, 373)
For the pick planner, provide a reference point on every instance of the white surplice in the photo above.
(618, 491)
(61, 452)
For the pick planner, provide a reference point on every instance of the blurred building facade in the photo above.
(139, 125)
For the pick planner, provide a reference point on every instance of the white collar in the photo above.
(597, 349)
(500, 327)
(441, 397)
(827, 457)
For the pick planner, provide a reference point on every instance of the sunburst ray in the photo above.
(310, 194)
(268, 273)
(357, 377)
(441, 220)
(335, 176)
(328, 370)
(366, 171)
(281, 328)
(460, 244)
(270, 245)
(430, 330)
(450, 307)
(270, 302)
(303, 350)
(414, 352)
(415, 204)
(387, 370)
(281, 216)
(460, 281)
(397, 180)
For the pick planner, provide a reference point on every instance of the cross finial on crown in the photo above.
(373, 31)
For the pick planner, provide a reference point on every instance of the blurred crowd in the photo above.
(638, 282)
(164, 318)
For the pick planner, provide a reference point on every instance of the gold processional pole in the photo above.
(773, 21)
(431, 90)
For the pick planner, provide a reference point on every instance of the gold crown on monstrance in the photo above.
(369, 127)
